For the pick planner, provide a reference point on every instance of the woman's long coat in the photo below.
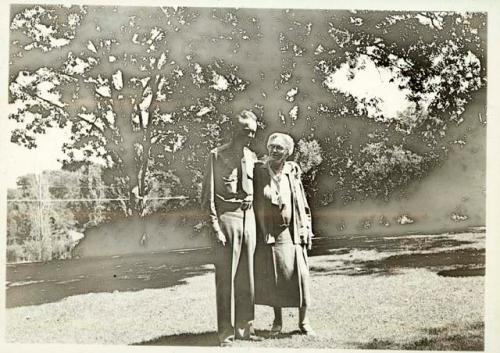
(302, 228)
(266, 267)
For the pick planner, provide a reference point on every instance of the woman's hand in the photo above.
(305, 236)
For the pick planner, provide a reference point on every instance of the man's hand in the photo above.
(221, 238)
(246, 204)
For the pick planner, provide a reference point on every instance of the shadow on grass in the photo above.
(459, 257)
(458, 263)
(39, 283)
(463, 272)
(338, 246)
(469, 338)
(205, 339)
(451, 263)
(268, 335)
(184, 339)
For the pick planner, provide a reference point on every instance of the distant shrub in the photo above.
(35, 250)
(458, 217)
(308, 155)
(61, 248)
(32, 250)
(405, 219)
(380, 169)
(15, 253)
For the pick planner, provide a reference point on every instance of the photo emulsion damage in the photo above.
(246, 177)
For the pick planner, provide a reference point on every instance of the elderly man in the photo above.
(228, 197)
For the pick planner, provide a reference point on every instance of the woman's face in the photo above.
(277, 151)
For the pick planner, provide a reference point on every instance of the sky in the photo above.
(20, 160)
(371, 82)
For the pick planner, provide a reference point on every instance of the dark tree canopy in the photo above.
(146, 92)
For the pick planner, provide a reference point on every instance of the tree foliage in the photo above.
(146, 92)
(39, 229)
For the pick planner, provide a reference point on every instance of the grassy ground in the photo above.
(391, 296)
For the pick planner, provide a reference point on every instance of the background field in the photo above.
(407, 292)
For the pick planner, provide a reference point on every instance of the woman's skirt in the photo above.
(282, 273)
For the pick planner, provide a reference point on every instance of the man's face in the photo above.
(245, 131)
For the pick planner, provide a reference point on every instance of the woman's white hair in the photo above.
(285, 140)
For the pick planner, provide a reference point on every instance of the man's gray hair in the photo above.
(287, 141)
(244, 115)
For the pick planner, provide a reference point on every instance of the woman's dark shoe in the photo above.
(306, 329)
(247, 334)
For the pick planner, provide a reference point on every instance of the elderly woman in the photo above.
(283, 234)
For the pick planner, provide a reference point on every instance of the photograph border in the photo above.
(492, 279)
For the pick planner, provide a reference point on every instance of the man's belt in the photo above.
(237, 198)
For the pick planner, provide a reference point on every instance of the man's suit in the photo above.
(228, 181)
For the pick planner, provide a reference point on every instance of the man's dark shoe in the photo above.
(227, 342)
(276, 328)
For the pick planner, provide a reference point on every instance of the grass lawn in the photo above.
(362, 298)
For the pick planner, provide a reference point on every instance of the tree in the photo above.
(150, 92)
(39, 219)
(125, 99)
(436, 58)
